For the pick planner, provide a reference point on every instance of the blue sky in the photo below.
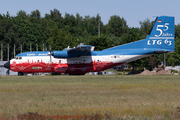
(133, 11)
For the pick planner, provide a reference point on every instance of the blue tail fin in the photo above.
(161, 37)
(162, 34)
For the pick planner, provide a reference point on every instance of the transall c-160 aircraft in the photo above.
(83, 58)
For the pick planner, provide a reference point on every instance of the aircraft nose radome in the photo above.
(7, 65)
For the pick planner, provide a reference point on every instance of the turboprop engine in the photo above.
(60, 54)
(72, 52)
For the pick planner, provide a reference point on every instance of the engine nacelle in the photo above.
(60, 54)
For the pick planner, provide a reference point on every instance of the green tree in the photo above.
(131, 36)
(22, 14)
(115, 40)
(56, 16)
(101, 42)
(117, 26)
(145, 27)
(36, 14)
(60, 39)
(6, 32)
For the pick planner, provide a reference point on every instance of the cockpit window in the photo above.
(18, 58)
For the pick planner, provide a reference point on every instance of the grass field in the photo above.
(127, 97)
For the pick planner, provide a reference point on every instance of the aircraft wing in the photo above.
(74, 52)
(80, 50)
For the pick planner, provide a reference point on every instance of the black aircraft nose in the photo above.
(7, 65)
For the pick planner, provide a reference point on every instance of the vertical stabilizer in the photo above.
(160, 38)
(162, 34)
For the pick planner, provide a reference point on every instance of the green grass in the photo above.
(154, 97)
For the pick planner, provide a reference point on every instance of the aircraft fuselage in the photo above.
(33, 62)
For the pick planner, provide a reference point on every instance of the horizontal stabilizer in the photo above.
(159, 52)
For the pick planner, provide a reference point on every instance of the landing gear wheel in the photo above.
(78, 74)
(20, 73)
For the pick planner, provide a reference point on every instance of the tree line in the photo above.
(69, 30)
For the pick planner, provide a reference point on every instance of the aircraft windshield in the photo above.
(18, 58)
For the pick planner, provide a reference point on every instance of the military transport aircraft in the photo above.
(83, 58)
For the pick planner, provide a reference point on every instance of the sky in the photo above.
(133, 11)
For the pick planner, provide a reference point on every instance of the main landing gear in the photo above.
(20, 73)
(78, 74)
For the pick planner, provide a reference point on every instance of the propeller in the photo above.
(46, 48)
(51, 54)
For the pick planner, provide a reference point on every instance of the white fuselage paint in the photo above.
(79, 60)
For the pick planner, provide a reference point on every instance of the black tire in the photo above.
(78, 74)
(20, 73)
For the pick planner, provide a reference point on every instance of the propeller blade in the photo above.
(46, 48)
(50, 48)
(50, 54)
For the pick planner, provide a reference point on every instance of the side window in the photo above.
(98, 62)
(125, 67)
(18, 58)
